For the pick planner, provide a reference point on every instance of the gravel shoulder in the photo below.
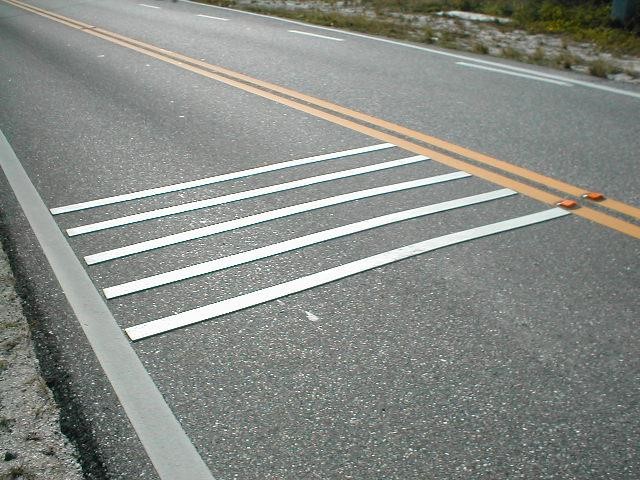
(32, 446)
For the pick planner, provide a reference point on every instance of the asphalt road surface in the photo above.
(252, 248)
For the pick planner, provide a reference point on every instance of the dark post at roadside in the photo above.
(623, 10)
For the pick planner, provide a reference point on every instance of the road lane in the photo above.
(529, 125)
(263, 89)
(443, 52)
(490, 357)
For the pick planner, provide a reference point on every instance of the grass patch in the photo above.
(16, 473)
(587, 21)
(512, 53)
(602, 69)
(479, 47)
(46, 408)
(220, 3)
(10, 344)
(448, 39)
(40, 385)
(6, 424)
(598, 69)
(358, 23)
(427, 35)
(566, 60)
(10, 325)
(539, 56)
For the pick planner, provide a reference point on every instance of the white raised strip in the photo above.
(216, 179)
(296, 243)
(264, 295)
(264, 217)
(235, 197)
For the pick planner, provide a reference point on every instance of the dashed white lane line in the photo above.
(217, 179)
(265, 217)
(213, 18)
(514, 74)
(234, 197)
(433, 51)
(316, 35)
(268, 294)
(296, 243)
(148, 6)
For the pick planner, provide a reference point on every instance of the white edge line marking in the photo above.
(316, 35)
(264, 295)
(582, 83)
(265, 217)
(169, 449)
(297, 243)
(213, 18)
(148, 6)
(514, 74)
(216, 179)
(235, 197)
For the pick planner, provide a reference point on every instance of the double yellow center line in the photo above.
(377, 128)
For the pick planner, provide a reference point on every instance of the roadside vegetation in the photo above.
(570, 21)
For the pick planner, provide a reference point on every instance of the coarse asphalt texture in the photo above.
(510, 356)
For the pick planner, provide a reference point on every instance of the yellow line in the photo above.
(609, 221)
(208, 71)
(530, 175)
(621, 207)
(51, 15)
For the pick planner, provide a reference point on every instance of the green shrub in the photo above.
(448, 39)
(512, 53)
(480, 47)
(602, 68)
(599, 68)
(538, 56)
(566, 60)
(427, 35)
